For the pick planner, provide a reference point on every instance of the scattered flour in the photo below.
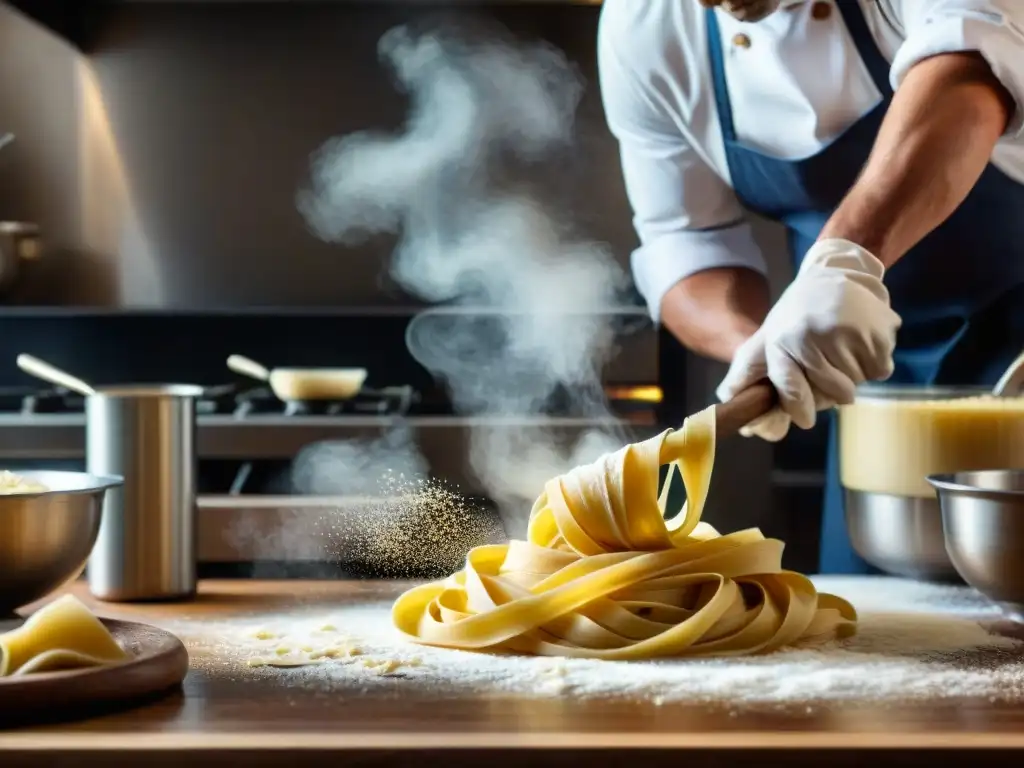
(916, 642)
(414, 528)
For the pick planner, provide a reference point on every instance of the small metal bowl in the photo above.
(901, 535)
(983, 525)
(46, 537)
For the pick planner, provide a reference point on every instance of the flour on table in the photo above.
(915, 642)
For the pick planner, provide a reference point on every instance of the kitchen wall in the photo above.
(195, 126)
(164, 165)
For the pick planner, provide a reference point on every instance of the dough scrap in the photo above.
(603, 575)
(12, 484)
(62, 635)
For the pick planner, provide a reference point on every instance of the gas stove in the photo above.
(247, 440)
(250, 504)
(249, 423)
(234, 421)
(227, 399)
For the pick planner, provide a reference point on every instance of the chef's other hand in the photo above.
(831, 330)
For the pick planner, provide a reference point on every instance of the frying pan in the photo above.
(298, 384)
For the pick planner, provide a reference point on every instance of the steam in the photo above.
(526, 300)
(355, 466)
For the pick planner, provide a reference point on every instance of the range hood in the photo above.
(75, 19)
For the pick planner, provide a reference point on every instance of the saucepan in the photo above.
(20, 242)
(299, 384)
(891, 438)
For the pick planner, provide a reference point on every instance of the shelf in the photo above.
(74, 20)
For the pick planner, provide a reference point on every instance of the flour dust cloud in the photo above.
(522, 301)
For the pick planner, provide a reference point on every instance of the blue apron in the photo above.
(960, 292)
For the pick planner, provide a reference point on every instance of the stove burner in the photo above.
(52, 401)
(388, 401)
(27, 400)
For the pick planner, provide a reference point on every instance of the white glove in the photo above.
(831, 330)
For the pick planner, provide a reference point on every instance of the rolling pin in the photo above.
(752, 403)
(731, 416)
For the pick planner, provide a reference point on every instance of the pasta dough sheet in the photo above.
(62, 635)
(603, 575)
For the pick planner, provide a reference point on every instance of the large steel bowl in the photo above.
(892, 437)
(983, 521)
(46, 537)
(901, 535)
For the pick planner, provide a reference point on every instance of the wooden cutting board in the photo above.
(158, 664)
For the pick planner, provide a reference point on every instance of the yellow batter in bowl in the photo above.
(891, 439)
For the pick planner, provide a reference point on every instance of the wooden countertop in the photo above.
(246, 718)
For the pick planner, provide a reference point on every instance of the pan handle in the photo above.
(246, 367)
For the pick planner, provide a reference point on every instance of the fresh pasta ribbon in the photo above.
(62, 635)
(603, 575)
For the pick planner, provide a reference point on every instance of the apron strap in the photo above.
(876, 64)
(717, 56)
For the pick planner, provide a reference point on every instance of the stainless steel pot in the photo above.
(146, 548)
(901, 535)
(891, 438)
(19, 243)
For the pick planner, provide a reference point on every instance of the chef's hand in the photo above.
(831, 330)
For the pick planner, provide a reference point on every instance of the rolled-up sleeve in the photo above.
(992, 28)
(687, 218)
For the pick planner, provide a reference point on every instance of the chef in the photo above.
(887, 136)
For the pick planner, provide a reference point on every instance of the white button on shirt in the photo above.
(797, 85)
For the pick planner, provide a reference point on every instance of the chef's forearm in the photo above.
(714, 311)
(935, 141)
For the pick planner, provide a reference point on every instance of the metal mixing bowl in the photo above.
(901, 535)
(46, 538)
(893, 519)
(983, 520)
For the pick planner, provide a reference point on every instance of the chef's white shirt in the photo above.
(798, 84)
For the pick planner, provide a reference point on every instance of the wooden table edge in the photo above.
(390, 742)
